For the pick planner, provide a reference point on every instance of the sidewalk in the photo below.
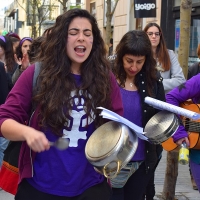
(184, 190)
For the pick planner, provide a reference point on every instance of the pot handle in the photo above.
(115, 174)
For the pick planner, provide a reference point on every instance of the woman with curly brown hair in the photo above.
(74, 79)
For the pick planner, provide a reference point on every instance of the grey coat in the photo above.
(173, 77)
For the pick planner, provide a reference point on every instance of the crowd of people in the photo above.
(61, 99)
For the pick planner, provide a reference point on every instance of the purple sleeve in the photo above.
(116, 98)
(189, 90)
(18, 103)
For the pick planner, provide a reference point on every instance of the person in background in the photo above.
(192, 71)
(3, 94)
(195, 68)
(110, 51)
(22, 57)
(15, 40)
(11, 154)
(167, 62)
(189, 90)
(7, 58)
(137, 78)
(74, 80)
(3, 84)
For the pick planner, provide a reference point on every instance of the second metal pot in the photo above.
(161, 127)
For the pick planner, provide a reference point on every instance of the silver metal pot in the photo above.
(110, 148)
(161, 127)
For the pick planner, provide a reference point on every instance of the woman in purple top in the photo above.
(189, 90)
(137, 78)
(74, 79)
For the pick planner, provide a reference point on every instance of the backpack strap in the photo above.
(34, 88)
(36, 73)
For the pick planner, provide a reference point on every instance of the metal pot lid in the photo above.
(103, 139)
(161, 123)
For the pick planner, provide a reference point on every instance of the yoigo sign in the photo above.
(145, 8)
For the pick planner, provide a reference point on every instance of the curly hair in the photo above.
(135, 43)
(35, 49)
(161, 50)
(55, 81)
(9, 54)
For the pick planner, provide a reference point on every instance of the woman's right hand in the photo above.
(36, 140)
(17, 60)
(24, 62)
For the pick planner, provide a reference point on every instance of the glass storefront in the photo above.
(178, 2)
(194, 39)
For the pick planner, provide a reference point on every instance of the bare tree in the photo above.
(183, 53)
(109, 15)
(185, 20)
(36, 13)
(63, 3)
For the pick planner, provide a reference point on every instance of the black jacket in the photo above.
(152, 151)
(3, 84)
(193, 70)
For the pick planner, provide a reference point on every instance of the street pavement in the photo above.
(184, 190)
(6, 196)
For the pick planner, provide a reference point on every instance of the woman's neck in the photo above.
(130, 84)
(75, 69)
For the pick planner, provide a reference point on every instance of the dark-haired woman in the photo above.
(74, 80)
(168, 66)
(137, 78)
(167, 62)
(3, 94)
(9, 65)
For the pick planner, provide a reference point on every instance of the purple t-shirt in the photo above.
(62, 173)
(133, 112)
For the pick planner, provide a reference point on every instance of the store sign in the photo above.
(145, 8)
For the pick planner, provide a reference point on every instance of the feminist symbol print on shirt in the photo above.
(77, 124)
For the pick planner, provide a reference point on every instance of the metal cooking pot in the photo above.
(110, 148)
(161, 127)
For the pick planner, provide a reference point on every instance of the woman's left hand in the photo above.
(185, 139)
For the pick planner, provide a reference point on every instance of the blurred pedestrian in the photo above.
(110, 52)
(15, 40)
(74, 80)
(3, 94)
(195, 68)
(9, 174)
(137, 78)
(7, 58)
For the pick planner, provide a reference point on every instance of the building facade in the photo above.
(171, 26)
(20, 19)
(123, 19)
